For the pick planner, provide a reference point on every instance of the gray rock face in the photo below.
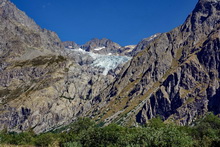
(42, 86)
(19, 34)
(107, 47)
(176, 76)
(101, 46)
(143, 44)
(70, 44)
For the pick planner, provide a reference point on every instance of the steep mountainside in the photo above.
(143, 44)
(176, 76)
(42, 85)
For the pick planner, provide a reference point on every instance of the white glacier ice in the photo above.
(109, 62)
(106, 62)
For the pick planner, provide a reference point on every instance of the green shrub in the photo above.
(203, 133)
(81, 125)
(206, 131)
(22, 138)
(46, 139)
(72, 144)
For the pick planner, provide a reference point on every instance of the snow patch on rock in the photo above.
(99, 48)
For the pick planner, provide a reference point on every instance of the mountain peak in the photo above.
(100, 43)
(204, 18)
(9, 11)
(70, 44)
(207, 5)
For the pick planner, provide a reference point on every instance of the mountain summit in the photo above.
(102, 46)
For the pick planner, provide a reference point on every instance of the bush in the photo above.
(81, 125)
(23, 138)
(46, 139)
(72, 144)
(204, 132)
(155, 123)
(107, 136)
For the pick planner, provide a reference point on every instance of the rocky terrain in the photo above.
(102, 46)
(176, 76)
(70, 44)
(107, 47)
(42, 84)
(46, 83)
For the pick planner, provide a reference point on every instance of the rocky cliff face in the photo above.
(176, 76)
(20, 34)
(42, 85)
(70, 44)
(143, 44)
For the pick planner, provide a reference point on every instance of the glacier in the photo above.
(107, 62)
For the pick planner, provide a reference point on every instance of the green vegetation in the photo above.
(41, 60)
(84, 132)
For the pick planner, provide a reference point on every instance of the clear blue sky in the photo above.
(123, 21)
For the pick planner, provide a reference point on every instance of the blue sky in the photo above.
(123, 21)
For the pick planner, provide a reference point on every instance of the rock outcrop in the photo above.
(101, 46)
(70, 45)
(143, 44)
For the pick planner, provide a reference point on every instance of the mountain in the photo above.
(70, 44)
(105, 63)
(46, 84)
(143, 44)
(43, 85)
(126, 50)
(101, 46)
(99, 53)
(132, 50)
(176, 76)
(107, 47)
